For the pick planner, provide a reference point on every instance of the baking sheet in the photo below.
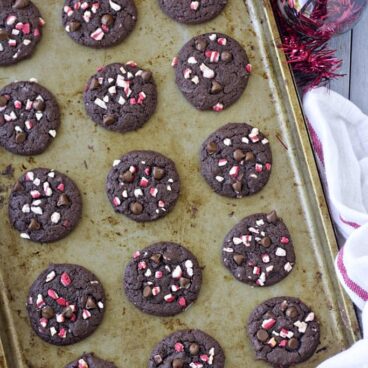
(104, 240)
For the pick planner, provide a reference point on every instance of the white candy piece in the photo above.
(207, 72)
(192, 60)
(100, 103)
(55, 217)
(50, 276)
(310, 317)
(26, 208)
(227, 142)
(302, 326)
(280, 252)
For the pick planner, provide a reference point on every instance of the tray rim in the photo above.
(347, 311)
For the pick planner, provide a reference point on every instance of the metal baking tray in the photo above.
(104, 241)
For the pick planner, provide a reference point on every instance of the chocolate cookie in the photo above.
(259, 250)
(99, 23)
(29, 118)
(65, 304)
(236, 160)
(143, 185)
(187, 348)
(192, 11)
(44, 205)
(212, 71)
(283, 331)
(90, 361)
(163, 279)
(20, 30)
(121, 97)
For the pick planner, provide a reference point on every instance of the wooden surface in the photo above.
(353, 50)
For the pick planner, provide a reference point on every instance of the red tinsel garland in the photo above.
(306, 44)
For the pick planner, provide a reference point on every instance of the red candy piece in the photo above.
(61, 301)
(143, 182)
(52, 294)
(284, 240)
(179, 347)
(61, 187)
(283, 343)
(204, 357)
(182, 302)
(268, 323)
(65, 279)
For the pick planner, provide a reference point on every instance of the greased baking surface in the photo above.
(104, 241)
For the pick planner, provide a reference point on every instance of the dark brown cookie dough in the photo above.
(44, 205)
(121, 97)
(236, 160)
(99, 23)
(65, 304)
(212, 71)
(187, 348)
(90, 361)
(259, 250)
(20, 30)
(192, 11)
(283, 331)
(29, 118)
(143, 185)
(163, 279)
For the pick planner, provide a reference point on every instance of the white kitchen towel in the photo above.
(339, 132)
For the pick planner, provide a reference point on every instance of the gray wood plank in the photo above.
(359, 64)
(342, 45)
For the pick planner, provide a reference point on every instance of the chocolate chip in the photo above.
(238, 155)
(146, 75)
(194, 349)
(156, 258)
(239, 259)
(20, 4)
(20, 137)
(47, 312)
(136, 208)
(147, 291)
(293, 343)
(74, 26)
(94, 84)
(212, 148)
(39, 105)
(2, 120)
(34, 225)
(269, 315)
(216, 87)
(237, 186)
(292, 312)
(184, 282)
(266, 242)
(226, 56)
(158, 359)
(272, 217)
(18, 187)
(200, 45)
(3, 101)
(90, 303)
(67, 312)
(171, 255)
(249, 156)
(108, 120)
(158, 173)
(262, 335)
(63, 200)
(127, 177)
(177, 363)
(3, 35)
(107, 19)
